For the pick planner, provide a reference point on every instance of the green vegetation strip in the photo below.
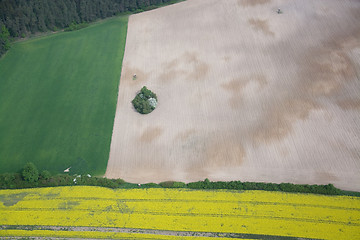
(30, 178)
(17, 181)
(58, 98)
(150, 231)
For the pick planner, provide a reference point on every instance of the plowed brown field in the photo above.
(244, 93)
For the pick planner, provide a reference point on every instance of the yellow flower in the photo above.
(220, 211)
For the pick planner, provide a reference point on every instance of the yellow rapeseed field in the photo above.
(251, 213)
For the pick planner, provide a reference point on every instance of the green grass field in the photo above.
(58, 97)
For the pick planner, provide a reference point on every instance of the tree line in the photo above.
(30, 177)
(21, 18)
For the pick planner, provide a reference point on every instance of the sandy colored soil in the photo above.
(244, 93)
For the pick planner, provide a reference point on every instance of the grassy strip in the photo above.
(58, 98)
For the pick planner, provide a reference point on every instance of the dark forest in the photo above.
(21, 18)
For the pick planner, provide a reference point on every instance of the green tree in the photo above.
(7, 180)
(142, 103)
(30, 173)
(45, 174)
(4, 40)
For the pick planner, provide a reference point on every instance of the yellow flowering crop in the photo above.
(218, 211)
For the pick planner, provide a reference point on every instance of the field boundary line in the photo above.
(150, 231)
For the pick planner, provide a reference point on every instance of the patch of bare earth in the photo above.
(244, 93)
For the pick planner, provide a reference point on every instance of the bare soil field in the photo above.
(244, 93)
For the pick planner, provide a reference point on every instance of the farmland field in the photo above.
(58, 98)
(243, 93)
(95, 212)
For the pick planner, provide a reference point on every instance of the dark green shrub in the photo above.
(59, 180)
(143, 101)
(196, 185)
(138, 11)
(7, 180)
(150, 185)
(119, 181)
(167, 184)
(284, 187)
(127, 185)
(45, 174)
(172, 184)
(105, 182)
(179, 185)
(85, 180)
(206, 184)
(74, 26)
(30, 173)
